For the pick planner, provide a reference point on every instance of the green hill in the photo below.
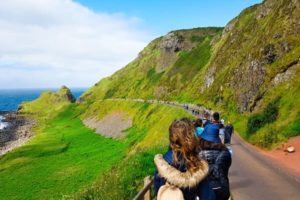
(241, 70)
(248, 70)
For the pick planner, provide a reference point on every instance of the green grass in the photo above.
(63, 157)
(125, 180)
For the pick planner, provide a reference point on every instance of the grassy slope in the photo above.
(233, 55)
(236, 61)
(62, 157)
(144, 80)
(65, 156)
(147, 137)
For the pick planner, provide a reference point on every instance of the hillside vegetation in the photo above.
(240, 70)
(65, 157)
(248, 70)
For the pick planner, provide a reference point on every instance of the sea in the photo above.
(10, 99)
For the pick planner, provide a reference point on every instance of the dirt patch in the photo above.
(291, 161)
(111, 125)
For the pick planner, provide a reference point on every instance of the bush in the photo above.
(268, 115)
(268, 138)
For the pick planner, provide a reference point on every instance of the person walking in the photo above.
(219, 160)
(199, 127)
(181, 167)
(215, 127)
(228, 133)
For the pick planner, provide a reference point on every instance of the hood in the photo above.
(178, 178)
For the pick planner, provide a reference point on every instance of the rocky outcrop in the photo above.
(169, 46)
(285, 75)
(247, 82)
(16, 134)
(66, 92)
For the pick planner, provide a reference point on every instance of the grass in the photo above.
(63, 157)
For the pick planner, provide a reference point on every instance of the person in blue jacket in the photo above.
(213, 127)
(181, 166)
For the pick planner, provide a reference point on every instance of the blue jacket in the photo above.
(199, 131)
(203, 190)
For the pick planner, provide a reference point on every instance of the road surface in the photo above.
(254, 177)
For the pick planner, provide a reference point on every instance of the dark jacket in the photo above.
(203, 190)
(219, 162)
(228, 132)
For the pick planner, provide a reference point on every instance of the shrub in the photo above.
(268, 115)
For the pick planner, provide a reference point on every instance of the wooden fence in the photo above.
(145, 193)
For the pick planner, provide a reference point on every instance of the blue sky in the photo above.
(49, 43)
(162, 16)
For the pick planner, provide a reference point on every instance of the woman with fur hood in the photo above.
(181, 166)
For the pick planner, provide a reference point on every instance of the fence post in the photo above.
(147, 180)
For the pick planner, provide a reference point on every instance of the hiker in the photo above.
(199, 127)
(205, 119)
(180, 171)
(215, 127)
(228, 133)
(219, 161)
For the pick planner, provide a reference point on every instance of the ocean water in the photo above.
(2, 123)
(10, 99)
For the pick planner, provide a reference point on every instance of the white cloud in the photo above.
(48, 43)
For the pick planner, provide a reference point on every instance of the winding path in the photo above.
(252, 175)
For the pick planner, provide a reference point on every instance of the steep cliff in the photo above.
(249, 65)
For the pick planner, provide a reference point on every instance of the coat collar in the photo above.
(178, 178)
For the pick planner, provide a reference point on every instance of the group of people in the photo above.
(197, 162)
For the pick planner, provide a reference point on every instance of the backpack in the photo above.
(167, 192)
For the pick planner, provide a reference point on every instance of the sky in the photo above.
(49, 43)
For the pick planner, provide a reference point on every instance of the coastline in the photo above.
(17, 133)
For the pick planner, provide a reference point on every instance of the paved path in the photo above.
(252, 175)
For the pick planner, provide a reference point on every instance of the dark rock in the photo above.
(277, 35)
(285, 46)
(172, 42)
(249, 78)
(269, 53)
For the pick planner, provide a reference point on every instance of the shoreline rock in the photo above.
(17, 133)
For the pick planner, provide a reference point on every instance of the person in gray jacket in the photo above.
(219, 160)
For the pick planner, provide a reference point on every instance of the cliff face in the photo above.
(163, 69)
(243, 68)
(257, 46)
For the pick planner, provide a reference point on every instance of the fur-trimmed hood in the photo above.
(178, 178)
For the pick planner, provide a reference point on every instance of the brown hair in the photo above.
(216, 116)
(184, 144)
(198, 123)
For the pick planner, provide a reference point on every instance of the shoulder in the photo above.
(224, 156)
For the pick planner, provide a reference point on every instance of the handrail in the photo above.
(145, 193)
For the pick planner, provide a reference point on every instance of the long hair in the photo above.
(184, 144)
